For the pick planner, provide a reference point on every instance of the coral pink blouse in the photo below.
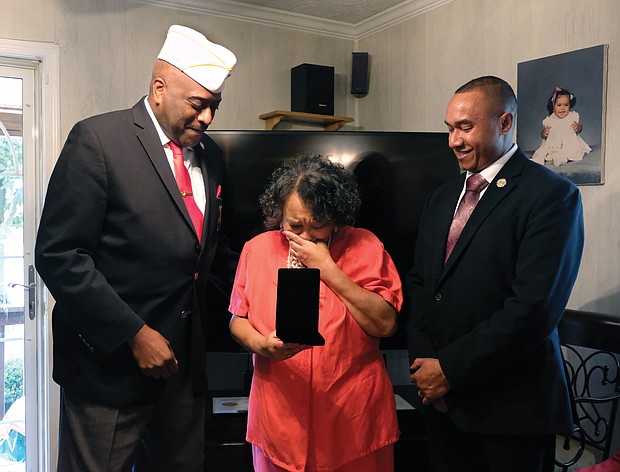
(331, 404)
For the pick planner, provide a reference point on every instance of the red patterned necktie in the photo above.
(185, 186)
(475, 184)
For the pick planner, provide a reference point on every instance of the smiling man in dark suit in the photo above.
(126, 245)
(487, 292)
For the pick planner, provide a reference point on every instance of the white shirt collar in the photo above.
(160, 132)
(491, 171)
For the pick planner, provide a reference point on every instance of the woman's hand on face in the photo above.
(275, 348)
(311, 254)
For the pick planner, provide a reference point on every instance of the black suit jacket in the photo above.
(490, 315)
(116, 248)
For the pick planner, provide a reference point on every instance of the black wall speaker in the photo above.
(312, 89)
(360, 73)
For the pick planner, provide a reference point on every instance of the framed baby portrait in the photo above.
(561, 117)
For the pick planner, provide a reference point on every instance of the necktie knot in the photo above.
(476, 183)
(176, 149)
(184, 183)
(473, 186)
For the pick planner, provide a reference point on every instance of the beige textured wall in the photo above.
(418, 64)
(108, 48)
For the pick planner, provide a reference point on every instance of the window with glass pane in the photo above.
(12, 284)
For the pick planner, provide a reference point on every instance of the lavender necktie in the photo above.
(475, 184)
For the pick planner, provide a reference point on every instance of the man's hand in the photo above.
(431, 382)
(153, 354)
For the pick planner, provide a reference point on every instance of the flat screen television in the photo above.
(395, 172)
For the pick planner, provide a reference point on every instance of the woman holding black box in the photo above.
(328, 406)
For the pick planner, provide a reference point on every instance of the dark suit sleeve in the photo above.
(546, 261)
(69, 231)
(418, 342)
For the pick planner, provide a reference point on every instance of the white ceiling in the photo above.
(351, 19)
(346, 11)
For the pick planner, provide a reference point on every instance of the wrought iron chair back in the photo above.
(593, 373)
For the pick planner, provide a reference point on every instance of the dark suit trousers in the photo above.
(165, 436)
(452, 450)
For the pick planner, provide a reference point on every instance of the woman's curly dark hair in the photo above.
(325, 186)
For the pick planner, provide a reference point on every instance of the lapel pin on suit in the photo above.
(501, 183)
(218, 195)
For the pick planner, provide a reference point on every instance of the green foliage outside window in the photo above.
(13, 381)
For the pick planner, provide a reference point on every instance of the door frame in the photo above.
(47, 55)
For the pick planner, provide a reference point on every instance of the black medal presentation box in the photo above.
(297, 308)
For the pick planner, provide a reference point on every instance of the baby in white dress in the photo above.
(561, 128)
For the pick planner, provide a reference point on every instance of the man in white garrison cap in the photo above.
(128, 241)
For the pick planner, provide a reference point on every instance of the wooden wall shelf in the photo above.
(329, 122)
